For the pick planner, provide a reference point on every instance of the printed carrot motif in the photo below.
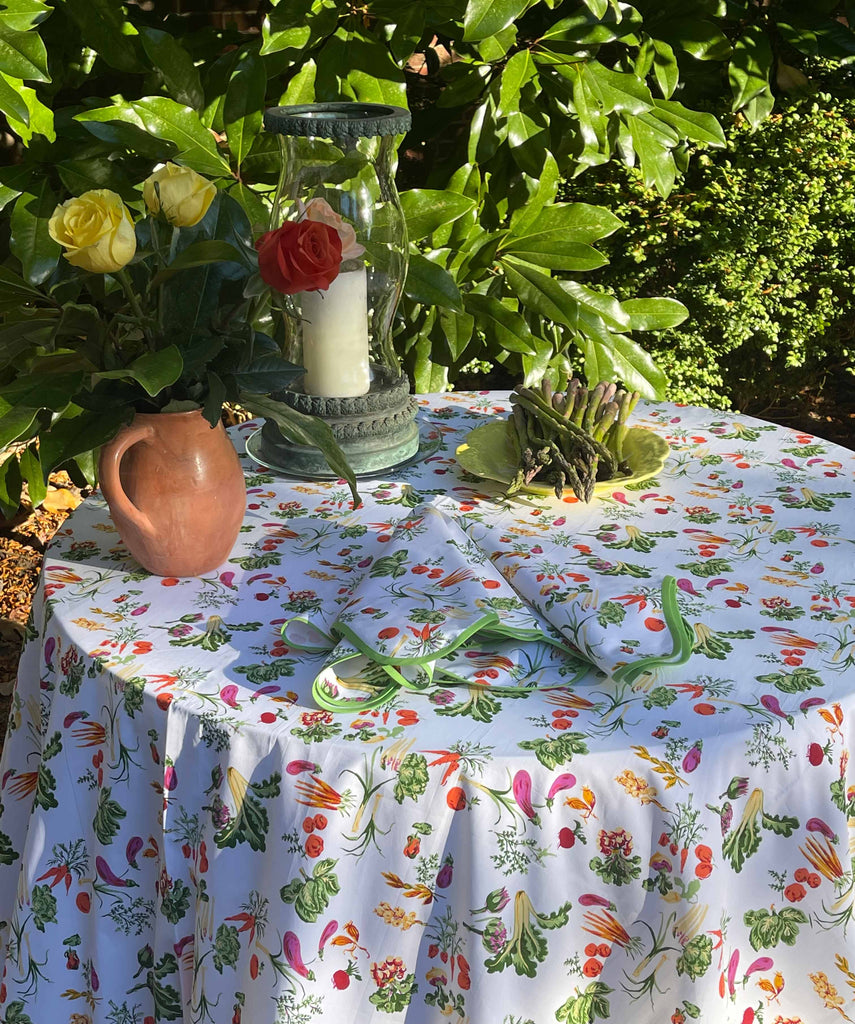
(318, 793)
(90, 734)
(449, 757)
(823, 858)
(606, 926)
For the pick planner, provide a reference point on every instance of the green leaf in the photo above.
(535, 366)
(484, 18)
(121, 128)
(799, 37)
(15, 422)
(80, 176)
(306, 430)
(213, 407)
(377, 86)
(759, 108)
(10, 485)
(30, 240)
(12, 282)
(529, 142)
(455, 330)
(430, 284)
(19, 335)
(597, 7)
(553, 250)
(39, 117)
(657, 163)
(504, 327)
(601, 304)
(540, 292)
(105, 27)
(616, 90)
(703, 39)
(580, 222)
(750, 65)
(170, 121)
(519, 70)
(199, 254)
(271, 373)
(169, 57)
(691, 124)
(22, 15)
(610, 356)
(301, 88)
(654, 314)
(665, 68)
(586, 29)
(154, 370)
(244, 103)
(31, 471)
(429, 377)
(544, 192)
(78, 433)
(23, 55)
(466, 181)
(255, 208)
(287, 26)
(593, 125)
(427, 209)
(493, 48)
(13, 181)
(11, 101)
(464, 84)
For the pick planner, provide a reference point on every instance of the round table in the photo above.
(186, 836)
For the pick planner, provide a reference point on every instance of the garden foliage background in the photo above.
(579, 174)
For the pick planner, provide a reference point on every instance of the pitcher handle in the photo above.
(111, 480)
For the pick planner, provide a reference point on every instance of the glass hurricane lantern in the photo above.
(338, 168)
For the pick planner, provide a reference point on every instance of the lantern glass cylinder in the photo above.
(338, 164)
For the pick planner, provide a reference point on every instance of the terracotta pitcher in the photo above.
(176, 492)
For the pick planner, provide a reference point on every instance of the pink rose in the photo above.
(320, 211)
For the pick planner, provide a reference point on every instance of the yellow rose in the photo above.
(96, 229)
(184, 195)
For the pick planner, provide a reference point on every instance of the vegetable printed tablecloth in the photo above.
(528, 829)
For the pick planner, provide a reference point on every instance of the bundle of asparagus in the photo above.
(570, 438)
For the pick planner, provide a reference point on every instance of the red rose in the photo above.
(302, 256)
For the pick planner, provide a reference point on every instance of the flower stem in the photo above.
(124, 280)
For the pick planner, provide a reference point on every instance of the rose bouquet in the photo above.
(163, 312)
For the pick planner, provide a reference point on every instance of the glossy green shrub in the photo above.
(759, 243)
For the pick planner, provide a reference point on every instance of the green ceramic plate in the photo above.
(488, 451)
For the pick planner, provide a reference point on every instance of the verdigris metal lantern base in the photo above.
(376, 431)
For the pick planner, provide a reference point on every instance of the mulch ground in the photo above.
(830, 414)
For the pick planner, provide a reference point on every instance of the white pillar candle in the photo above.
(335, 337)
